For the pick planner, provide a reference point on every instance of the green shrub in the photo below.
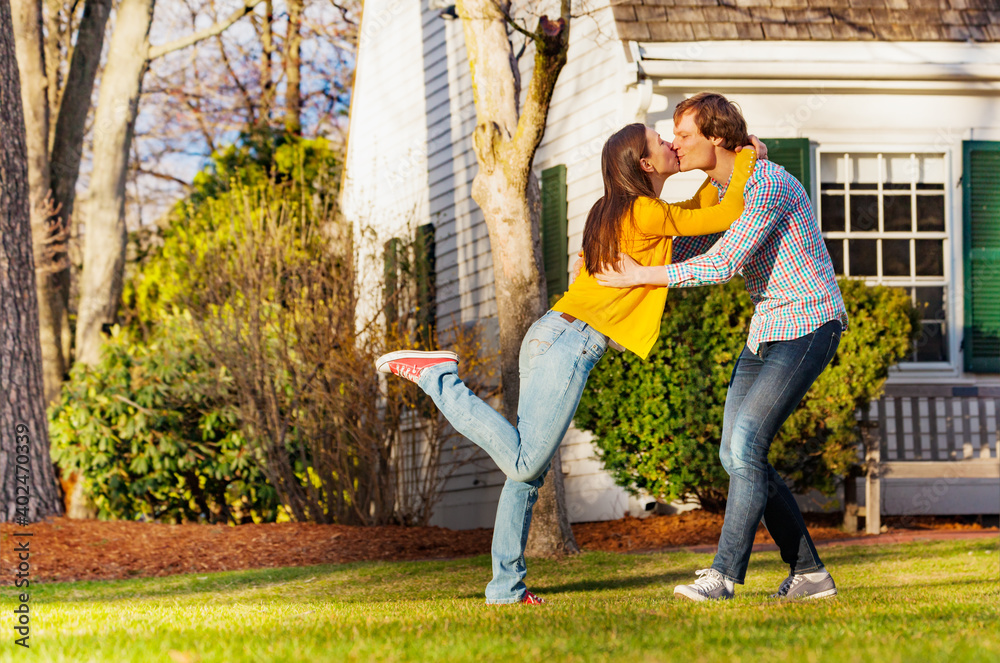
(155, 428)
(199, 228)
(154, 436)
(657, 424)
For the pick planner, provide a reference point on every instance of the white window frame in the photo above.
(952, 239)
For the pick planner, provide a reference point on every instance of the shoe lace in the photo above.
(405, 371)
(789, 583)
(786, 584)
(708, 580)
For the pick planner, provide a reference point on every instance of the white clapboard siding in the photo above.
(386, 163)
(464, 262)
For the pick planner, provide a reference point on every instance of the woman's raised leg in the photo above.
(555, 360)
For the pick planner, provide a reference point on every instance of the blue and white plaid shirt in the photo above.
(776, 245)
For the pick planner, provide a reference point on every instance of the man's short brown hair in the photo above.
(716, 117)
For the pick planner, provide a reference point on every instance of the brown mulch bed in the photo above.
(63, 549)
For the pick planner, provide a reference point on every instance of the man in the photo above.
(796, 327)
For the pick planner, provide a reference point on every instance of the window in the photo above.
(884, 219)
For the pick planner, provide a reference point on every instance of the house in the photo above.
(888, 111)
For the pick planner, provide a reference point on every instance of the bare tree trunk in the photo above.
(34, 95)
(507, 191)
(54, 35)
(104, 214)
(67, 143)
(25, 464)
(293, 67)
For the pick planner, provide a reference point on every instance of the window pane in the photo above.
(896, 213)
(930, 213)
(931, 169)
(931, 344)
(930, 303)
(836, 249)
(900, 170)
(864, 213)
(832, 168)
(865, 169)
(833, 213)
(863, 257)
(930, 257)
(895, 257)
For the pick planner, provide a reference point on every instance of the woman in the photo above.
(560, 349)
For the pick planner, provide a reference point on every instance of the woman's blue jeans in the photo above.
(764, 390)
(555, 360)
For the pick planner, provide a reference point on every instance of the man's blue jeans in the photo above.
(764, 390)
(555, 360)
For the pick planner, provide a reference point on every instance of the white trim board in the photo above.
(890, 67)
(877, 52)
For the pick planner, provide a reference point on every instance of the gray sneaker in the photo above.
(709, 586)
(799, 586)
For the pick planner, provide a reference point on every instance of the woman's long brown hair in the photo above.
(624, 181)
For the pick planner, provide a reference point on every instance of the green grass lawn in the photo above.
(928, 601)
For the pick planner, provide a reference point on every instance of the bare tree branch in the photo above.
(162, 176)
(247, 99)
(176, 45)
(551, 46)
(344, 11)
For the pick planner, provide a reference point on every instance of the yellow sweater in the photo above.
(631, 316)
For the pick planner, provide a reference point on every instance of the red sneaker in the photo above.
(531, 599)
(410, 364)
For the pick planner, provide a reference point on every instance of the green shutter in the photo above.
(390, 260)
(555, 244)
(425, 277)
(793, 155)
(981, 218)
